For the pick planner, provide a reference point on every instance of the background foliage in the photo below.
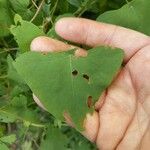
(23, 125)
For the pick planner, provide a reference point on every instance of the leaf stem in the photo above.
(38, 147)
(53, 11)
(37, 125)
(37, 12)
(50, 18)
(33, 2)
(9, 49)
(84, 6)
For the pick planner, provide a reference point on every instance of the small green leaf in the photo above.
(12, 73)
(21, 7)
(67, 84)
(5, 18)
(133, 15)
(24, 33)
(75, 3)
(3, 146)
(17, 110)
(17, 18)
(55, 140)
(10, 139)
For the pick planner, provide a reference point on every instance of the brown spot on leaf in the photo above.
(89, 101)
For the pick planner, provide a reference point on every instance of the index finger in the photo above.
(93, 34)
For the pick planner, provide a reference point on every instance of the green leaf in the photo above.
(24, 33)
(19, 6)
(10, 139)
(12, 73)
(64, 82)
(133, 15)
(76, 3)
(17, 110)
(55, 140)
(3, 146)
(5, 18)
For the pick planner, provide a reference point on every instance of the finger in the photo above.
(45, 44)
(136, 130)
(93, 34)
(117, 112)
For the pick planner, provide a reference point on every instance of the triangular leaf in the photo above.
(68, 84)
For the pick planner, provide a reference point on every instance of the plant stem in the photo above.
(50, 18)
(38, 10)
(37, 125)
(9, 49)
(84, 6)
(33, 2)
(53, 11)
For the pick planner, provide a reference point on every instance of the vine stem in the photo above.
(50, 18)
(9, 49)
(37, 12)
(33, 2)
(84, 6)
(38, 125)
(54, 9)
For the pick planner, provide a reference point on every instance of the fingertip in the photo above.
(47, 44)
(64, 26)
(39, 44)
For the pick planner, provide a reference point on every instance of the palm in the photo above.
(121, 119)
(125, 111)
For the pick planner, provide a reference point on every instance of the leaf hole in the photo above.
(89, 101)
(75, 73)
(85, 76)
(44, 53)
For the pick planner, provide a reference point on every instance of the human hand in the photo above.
(122, 114)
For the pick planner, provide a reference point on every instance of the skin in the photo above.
(122, 114)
